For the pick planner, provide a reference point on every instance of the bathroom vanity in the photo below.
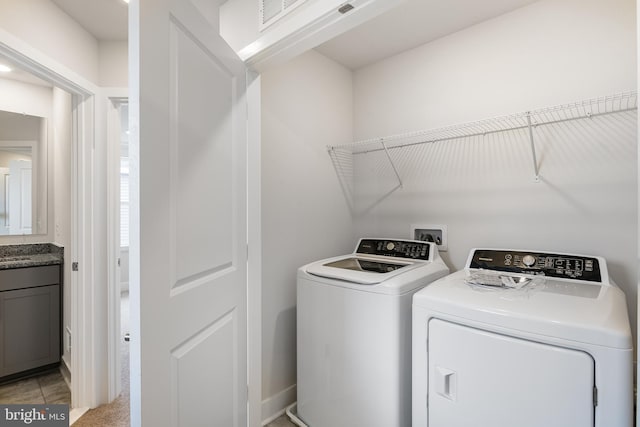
(30, 308)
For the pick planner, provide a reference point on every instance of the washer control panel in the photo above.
(395, 248)
(548, 264)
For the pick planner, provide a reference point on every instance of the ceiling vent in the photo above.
(272, 10)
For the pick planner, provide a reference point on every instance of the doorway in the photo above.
(81, 281)
(118, 186)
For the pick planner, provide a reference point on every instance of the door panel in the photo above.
(202, 160)
(197, 362)
(20, 195)
(4, 201)
(191, 107)
(479, 378)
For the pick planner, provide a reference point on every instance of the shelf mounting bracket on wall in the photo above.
(393, 165)
(536, 177)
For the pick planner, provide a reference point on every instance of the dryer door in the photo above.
(480, 378)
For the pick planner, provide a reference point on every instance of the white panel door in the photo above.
(479, 378)
(190, 97)
(4, 201)
(20, 197)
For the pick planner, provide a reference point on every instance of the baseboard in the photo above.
(66, 372)
(274, 406)
(75, 414)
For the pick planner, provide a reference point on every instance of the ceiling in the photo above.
(411, 24)
(105, 19)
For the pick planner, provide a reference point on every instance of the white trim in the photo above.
(114, 98)
(309, 26)
(75, 414)
(135, 390)
(275, 406)
(65, 371)
(254, 256)
(83, 371)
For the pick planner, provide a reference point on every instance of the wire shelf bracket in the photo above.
(393, 165)
(536, 177)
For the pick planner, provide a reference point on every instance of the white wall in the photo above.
(306, 104)
(551, 52)
(239, 22)
(113, 63)
(61, 195)
(44, 26)
(25, 98)
(6, 157)
(18, 127)
(547, 53)
(47, 28)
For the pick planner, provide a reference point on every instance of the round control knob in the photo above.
(528, 260)
(390, 246)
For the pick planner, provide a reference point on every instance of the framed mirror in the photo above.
(23, 174)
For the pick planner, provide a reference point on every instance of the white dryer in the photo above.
(523, 338)
(354, 333)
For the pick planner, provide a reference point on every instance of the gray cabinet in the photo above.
(29, 318)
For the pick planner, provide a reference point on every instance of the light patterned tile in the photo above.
(24, 391)
(54, 388)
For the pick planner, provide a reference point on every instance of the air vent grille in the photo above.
(272, 10)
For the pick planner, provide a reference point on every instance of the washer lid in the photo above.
(360, 269)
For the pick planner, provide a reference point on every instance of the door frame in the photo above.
(85, 283)
(254, 251)
(114, 98)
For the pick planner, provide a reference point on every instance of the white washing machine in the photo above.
(354, 333)
(523, 338)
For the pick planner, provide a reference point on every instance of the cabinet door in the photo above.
(479, 378)
(29, 328)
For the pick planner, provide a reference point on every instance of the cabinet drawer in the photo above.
(20, 278)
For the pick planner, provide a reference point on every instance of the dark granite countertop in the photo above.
(30, 255)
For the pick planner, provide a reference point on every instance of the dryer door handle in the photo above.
(446, 383)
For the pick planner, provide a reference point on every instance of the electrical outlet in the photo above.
(431, 233)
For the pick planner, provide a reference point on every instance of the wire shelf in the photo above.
(611, 104)
(525, 123)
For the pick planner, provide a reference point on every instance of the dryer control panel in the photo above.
(395, 248)
(548, 264)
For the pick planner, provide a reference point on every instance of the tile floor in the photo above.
(45, 388)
